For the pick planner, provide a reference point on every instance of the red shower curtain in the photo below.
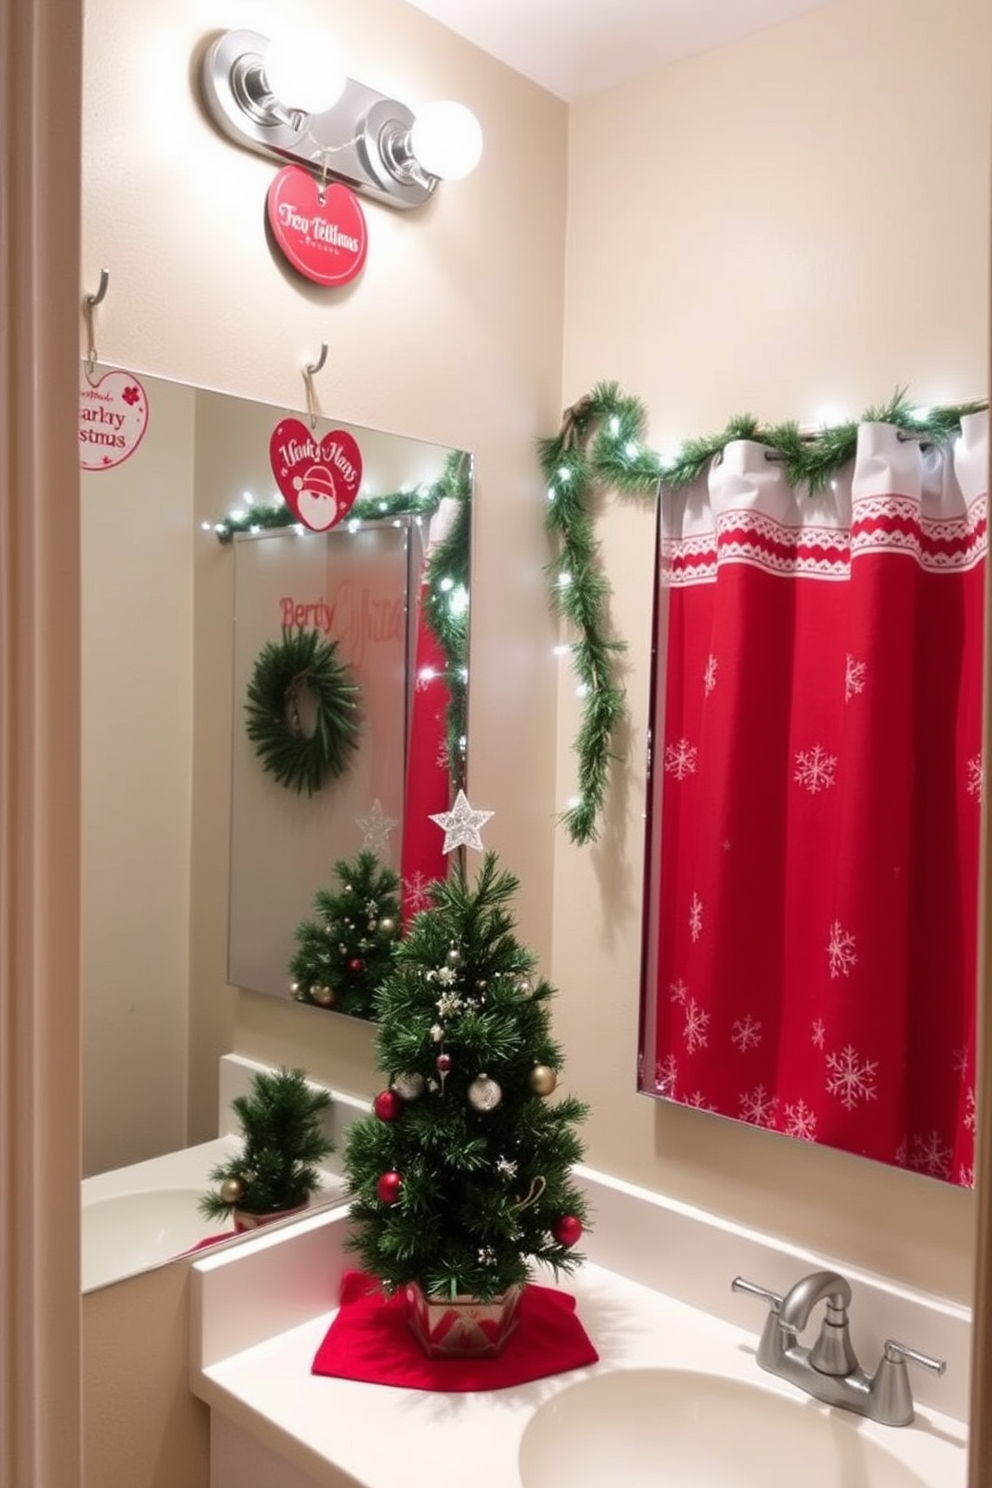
(428, 780)
(816, 797)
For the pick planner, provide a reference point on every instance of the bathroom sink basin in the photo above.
(137, 1230)
(668, 1428)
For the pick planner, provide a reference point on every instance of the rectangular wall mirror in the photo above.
(156, 575)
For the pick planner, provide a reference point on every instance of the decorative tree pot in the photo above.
(244, 1220)
(462, 1327)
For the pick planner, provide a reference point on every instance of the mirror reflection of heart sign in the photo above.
(319, 478)
(113, 417)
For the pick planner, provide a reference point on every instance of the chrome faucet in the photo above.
(829, 1370)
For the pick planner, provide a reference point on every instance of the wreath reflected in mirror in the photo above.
(303, 710)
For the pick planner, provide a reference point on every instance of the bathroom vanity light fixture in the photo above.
(354, 135)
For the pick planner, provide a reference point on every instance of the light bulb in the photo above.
(446, 139)
(305, 71)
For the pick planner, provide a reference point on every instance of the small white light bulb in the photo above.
(446, 139)
(305, 70)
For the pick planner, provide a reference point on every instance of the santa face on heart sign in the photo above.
(319, 479)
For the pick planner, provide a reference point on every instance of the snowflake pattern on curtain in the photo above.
(812, 906)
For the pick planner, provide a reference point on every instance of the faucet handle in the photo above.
(774, 1338)
(890, 1387)
(894, 1351)
(741, 1284)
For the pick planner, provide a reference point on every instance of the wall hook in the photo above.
(90, 303)
(314, 367)
(310, 371)
(95, 299)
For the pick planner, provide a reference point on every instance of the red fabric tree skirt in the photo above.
(370, 1340)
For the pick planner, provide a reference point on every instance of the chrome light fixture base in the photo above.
(362, 140)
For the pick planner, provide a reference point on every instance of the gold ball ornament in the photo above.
(542, 1079)
(322, 996)
(387, 925)
(231, 1191)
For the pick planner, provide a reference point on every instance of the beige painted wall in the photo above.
(795, 222)
(724, 261)
(759, 190)
(452, 334)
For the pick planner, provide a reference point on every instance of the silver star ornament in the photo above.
(461, 824)
(377, 827)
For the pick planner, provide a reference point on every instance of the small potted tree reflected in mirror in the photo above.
(276, 1170)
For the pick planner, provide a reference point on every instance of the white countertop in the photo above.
(261, 1312)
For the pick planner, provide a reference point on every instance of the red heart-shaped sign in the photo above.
(319, 228)
(318, 477)
(113, 417)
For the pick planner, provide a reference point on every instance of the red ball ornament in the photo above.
(567, 1229)
(355, 963)
(388, 1187)
(443, 1063)
(387, 1105)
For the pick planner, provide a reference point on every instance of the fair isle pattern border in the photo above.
(881, 524)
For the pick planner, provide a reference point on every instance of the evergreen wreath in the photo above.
(601, 442)
(292, 678)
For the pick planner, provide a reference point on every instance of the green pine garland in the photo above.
(601, 442)
(446, 611)
(475, 1190)
(291, 677)
(284, 1141)
(348, 950)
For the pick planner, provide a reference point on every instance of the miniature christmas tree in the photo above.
(347, 951)
(462, 1174)
(284, 1140)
